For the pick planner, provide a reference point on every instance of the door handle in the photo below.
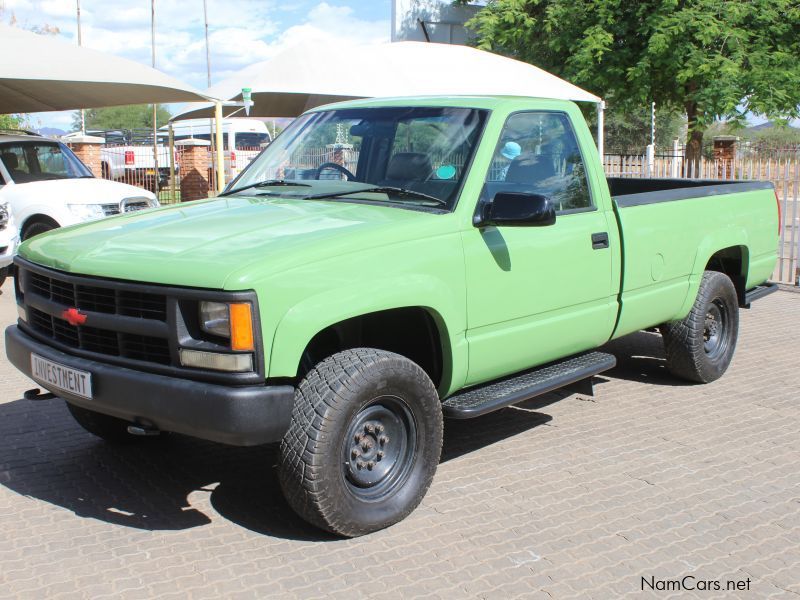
(599, 240)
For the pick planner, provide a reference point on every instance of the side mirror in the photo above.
(513, 209)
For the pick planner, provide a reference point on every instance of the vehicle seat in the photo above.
(530, 169)
(409, 166)
(10, 160)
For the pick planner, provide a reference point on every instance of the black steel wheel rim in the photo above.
(379, 448)
(715, 329)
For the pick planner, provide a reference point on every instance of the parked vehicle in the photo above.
(47, 186)
(345, 318)
(127, 156)
(242, 139)
(9, 239)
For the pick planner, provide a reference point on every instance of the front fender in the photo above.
(24, 211)
(313, 314)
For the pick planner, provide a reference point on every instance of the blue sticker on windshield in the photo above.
(446, 172)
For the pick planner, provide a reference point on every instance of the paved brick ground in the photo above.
(576, 498)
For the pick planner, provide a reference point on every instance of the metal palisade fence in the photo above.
(781, 166)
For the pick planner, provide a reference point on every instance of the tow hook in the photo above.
(36, 394)
(143, 430)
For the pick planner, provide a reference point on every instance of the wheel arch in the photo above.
(734, 262)
(36, 217)
(418, 332)
(732, 244)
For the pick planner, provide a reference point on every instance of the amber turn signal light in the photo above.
(242, 326)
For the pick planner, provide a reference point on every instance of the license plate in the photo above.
(150, 172)
(62, 377)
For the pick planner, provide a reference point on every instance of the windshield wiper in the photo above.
(400, 193)
(267, 183)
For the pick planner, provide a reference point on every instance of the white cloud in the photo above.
(241, 32)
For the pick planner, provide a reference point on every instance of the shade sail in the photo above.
(306, 76)
(43, 73)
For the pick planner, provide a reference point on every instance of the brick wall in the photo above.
(194, 169)
(87, 148)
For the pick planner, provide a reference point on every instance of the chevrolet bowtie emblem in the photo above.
(74, 317)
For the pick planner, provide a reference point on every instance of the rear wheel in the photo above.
(110, 429)
(700, 347)
(364, 442)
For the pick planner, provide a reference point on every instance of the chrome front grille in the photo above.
(110, 210)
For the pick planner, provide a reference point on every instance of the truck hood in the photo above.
(73, 191)
(226, 243)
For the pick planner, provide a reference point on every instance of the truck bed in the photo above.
(671, 228)
(629, 191)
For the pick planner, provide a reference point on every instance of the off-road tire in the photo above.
(110, 429)
(384, 392)
(714, 317)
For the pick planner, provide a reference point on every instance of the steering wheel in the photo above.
(336, 166)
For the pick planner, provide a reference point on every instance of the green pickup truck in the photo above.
(452, 256)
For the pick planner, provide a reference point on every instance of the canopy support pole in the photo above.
(173, 196)
(601, 107)
(220, 146)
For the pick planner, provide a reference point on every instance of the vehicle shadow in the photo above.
(640, 357)
(164, 483)
(177, 482)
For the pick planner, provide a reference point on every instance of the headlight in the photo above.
(215, 318)
(5, 217)
(87, 212)
(232, 320)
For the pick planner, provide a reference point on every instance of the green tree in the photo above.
(628, 131)
(708, 58)
(9, 122)
(778, 134)
(134, 116)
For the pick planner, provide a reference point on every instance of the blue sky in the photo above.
(241, 32)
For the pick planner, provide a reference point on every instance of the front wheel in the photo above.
(37, 228)
(700, 347)
(364, 442)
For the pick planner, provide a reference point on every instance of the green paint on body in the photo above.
(503, 298)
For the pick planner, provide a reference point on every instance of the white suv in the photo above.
(47, 186)
(9, 238)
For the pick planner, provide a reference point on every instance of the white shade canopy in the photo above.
(313, 74)
(43, 73)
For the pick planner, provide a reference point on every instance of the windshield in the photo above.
(422, 151)
(41, 161)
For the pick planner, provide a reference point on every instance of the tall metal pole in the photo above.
(80, 43)
(208, 52)
(213, 138)
(653, 124)
(155, 106)
(601, 107)
(220, 147)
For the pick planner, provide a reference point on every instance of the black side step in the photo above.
(759, 292)
(478, 401)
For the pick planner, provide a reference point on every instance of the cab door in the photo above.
(538, 293)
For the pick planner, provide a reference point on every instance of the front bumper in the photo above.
(241, 416)
(9, 240)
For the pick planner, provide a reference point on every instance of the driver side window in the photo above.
(538, 153)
